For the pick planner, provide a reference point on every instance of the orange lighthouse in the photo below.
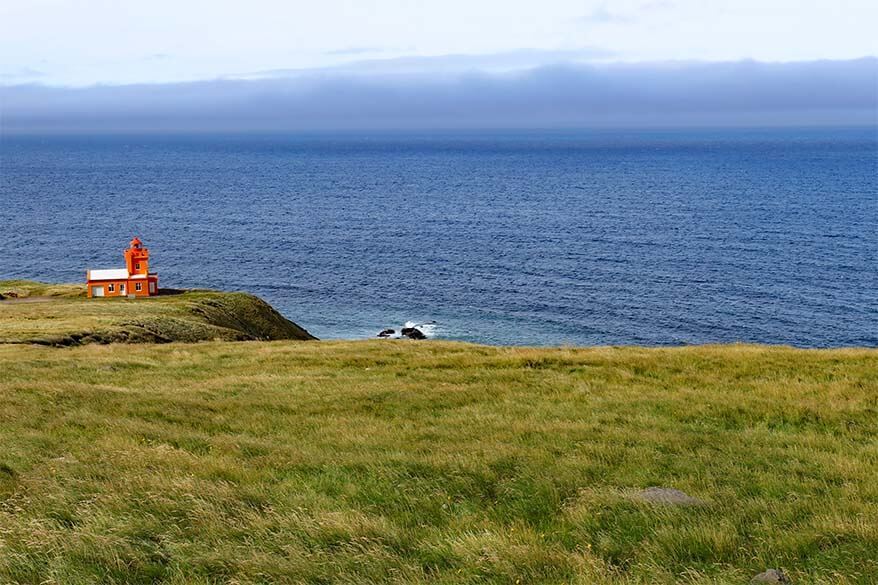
(135, 280)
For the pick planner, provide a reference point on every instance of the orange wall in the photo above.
(130, 288)
(137, 256)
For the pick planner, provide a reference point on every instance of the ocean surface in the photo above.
(541, 238)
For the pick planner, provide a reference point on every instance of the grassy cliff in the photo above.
(402, 462)
(32, 312)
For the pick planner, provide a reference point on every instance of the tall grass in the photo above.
(403, 462)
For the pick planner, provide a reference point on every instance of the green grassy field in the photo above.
(60, 314)
(407, 462)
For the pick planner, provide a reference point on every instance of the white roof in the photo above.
(108, 274)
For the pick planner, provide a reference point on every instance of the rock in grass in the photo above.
(387, 333)
(669, 496)
(771, 576)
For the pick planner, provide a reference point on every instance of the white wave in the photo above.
(429, 329)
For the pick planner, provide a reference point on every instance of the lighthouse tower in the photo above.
(137, 258)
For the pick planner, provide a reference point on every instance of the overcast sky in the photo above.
(84, 42)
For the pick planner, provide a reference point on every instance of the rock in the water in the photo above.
(669, 496)
(771, 576)
(413, 333)
(387, 333)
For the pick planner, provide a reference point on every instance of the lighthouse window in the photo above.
(137, 266)
(138, 286)
(111, 287)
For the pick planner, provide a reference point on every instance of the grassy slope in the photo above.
(62, 315)
(407, 462)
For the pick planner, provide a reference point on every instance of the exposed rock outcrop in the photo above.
(771, 576)
(668, 496)
(413, 333)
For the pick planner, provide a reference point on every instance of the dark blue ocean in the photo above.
(610, 237)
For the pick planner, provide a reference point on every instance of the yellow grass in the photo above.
(408, 462)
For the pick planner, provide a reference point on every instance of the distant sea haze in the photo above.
(530, 237)
(565, 95)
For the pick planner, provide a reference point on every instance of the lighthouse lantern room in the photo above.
(135, 280)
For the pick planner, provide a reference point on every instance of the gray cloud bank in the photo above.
(563, 96)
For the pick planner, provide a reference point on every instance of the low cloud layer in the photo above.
(564, 96)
